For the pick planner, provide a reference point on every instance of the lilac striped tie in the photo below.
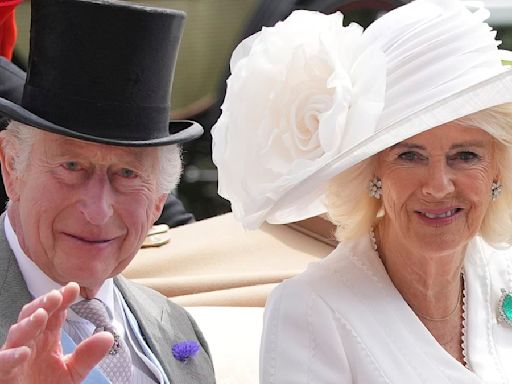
(117, 365)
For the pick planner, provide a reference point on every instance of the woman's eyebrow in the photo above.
(466, 144)
(407, 146)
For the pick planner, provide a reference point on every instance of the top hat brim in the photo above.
(180, 131)
(305, 199)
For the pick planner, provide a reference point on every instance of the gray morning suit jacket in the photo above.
(162, 323)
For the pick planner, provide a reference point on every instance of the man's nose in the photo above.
(97, 200)
(438, 180)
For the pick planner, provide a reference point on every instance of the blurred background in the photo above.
(213, 29)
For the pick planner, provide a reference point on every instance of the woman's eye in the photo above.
(71, 165)
(128, 173)
(466, 156)
(410, 156)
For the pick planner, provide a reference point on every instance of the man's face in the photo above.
(81, 210)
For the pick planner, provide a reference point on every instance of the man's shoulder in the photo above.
(151, 306)
(13, 289)
(152, 300)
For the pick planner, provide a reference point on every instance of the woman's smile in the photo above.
(440, 179)
(439, 217)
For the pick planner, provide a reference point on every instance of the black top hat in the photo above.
(101, 71)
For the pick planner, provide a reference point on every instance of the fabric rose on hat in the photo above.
(299, 94)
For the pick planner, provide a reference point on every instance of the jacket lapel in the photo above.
(161, 332)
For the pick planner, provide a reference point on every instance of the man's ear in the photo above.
(159, 206)
(9, 174)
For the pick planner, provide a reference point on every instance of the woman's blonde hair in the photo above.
(354, 211)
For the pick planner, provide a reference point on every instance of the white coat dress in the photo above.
(343, 321)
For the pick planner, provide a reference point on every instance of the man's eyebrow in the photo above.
(70, 146)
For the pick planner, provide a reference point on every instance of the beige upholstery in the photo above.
(215, 262)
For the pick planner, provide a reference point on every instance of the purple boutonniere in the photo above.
(185, 350)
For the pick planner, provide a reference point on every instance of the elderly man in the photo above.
(87, 162)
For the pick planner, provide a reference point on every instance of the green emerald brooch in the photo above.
(505, 307)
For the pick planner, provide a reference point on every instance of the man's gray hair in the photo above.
(21, 137)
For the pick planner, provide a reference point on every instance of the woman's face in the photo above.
(436, 186)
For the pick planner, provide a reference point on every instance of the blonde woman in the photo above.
(402, 134)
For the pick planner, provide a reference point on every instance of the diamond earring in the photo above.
(375, 188)
(496, 189)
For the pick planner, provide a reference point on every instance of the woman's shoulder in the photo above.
(482, 255)
(488, 268)
(299, 337)
(331, 272)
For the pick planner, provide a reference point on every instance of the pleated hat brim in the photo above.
(442, 64)
(488, 93)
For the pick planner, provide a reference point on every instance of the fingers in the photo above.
(69, 293)
(47, 312)
(25, 331)
(52, 301)
(49, 302)
(36, 337)
(87, 354)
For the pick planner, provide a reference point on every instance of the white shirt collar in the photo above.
(38, 282)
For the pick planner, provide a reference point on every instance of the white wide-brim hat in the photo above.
(309, 98)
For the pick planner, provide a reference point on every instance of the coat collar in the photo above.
(355, 285)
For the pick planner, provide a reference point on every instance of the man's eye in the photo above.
(128, 173)
(71, 165)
